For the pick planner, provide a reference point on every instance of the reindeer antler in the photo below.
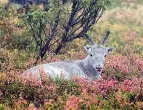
(105, 37)
(90, 39)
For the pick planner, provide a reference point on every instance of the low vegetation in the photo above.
(122, 78)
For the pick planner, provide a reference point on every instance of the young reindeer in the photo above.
(91, 66)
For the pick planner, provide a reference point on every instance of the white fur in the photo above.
(81, 68)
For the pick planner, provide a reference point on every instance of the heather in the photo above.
(122, 78)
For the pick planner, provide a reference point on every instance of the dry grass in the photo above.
(3, 1)
(125, 14)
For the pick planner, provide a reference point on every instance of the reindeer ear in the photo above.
(87, 48)
(109, 49)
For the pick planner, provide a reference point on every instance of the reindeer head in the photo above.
(97, 53)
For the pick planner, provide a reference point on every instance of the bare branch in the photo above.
(90, 39)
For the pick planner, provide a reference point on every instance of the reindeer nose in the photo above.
(99, 69)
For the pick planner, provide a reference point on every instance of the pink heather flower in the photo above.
(29, 78)
(121, 63)
(132, 85)
(73, 103)
(139, 63)
(104, 86)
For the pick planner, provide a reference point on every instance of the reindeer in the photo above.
(26, 3)
(91, 66)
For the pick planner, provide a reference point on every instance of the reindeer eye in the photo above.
(91, 55)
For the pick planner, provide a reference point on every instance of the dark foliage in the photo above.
(65, 21)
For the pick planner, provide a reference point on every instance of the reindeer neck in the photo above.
(86, 67)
